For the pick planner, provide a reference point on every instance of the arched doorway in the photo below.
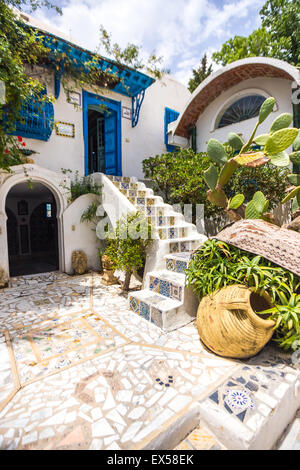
(32, 235)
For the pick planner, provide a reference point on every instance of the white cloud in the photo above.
(179, 30)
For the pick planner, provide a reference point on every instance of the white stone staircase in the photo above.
(164, 299)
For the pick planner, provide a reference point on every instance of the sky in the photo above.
(181, 31)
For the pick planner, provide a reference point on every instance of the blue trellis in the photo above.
(36, 119)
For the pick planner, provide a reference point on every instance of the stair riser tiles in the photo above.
(166, 288)
(173, 232)
(176, 265)
(179, 247)
(161, 221)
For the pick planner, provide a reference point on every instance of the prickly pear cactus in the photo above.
(273, 150)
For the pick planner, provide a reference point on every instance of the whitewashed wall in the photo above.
(138, 143)
(80, 235)
(280, 89)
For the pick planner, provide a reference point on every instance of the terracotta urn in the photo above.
(108, 277)
(229, 324)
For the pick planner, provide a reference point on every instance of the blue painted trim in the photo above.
(170, 116)
(136, 107)
(91, 99)
(133, 81)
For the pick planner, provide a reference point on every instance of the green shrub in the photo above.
(126, 247)
(216, 264)
(179, 176)
(271, 179)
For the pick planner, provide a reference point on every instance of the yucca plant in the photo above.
(287, 318)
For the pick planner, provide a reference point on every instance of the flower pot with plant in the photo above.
(126, 246)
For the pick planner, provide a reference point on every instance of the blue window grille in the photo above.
(244, 108)
(170, 116)
(36, 119)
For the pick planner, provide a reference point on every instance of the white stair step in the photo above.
(165, 313)
(177, 278)
(166, 283)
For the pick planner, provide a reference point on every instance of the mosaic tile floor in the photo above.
(78, 370)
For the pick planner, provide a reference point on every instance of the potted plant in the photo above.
(126, 247)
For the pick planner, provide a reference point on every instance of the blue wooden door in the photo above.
(110, 143)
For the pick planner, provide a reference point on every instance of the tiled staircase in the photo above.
(164, 300)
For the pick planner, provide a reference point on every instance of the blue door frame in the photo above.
(114, 108)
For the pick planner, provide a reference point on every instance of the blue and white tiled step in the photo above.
(154, 307)
(178, 262)
(164, 300)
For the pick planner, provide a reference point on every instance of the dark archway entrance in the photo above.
(31, 230)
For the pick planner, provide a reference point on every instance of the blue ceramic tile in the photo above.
(144, 310)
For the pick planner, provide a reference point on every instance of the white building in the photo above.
(109, 130)
(229, 101)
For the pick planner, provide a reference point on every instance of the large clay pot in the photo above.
(228, 325)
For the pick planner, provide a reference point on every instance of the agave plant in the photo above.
(273, 149)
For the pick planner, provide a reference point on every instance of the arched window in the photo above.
(244, 108)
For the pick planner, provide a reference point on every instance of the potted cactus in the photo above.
(273, 149)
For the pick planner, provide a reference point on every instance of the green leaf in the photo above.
(295, 205)
(227, 171)
(295, 157)
(261, 139)
(259, 200)
(281, 159)
(236, 201)
(280, 140)
(235, 141)
(281, 122)
(292, 194)
(294, 179)
(211, 177)
(266, 109)
(216, 151)
(251, 211)
(296, 144)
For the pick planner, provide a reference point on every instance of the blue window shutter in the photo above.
(170, 116)
(36, 119)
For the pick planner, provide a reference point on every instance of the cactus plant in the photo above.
(257, 206)
(275, 144)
